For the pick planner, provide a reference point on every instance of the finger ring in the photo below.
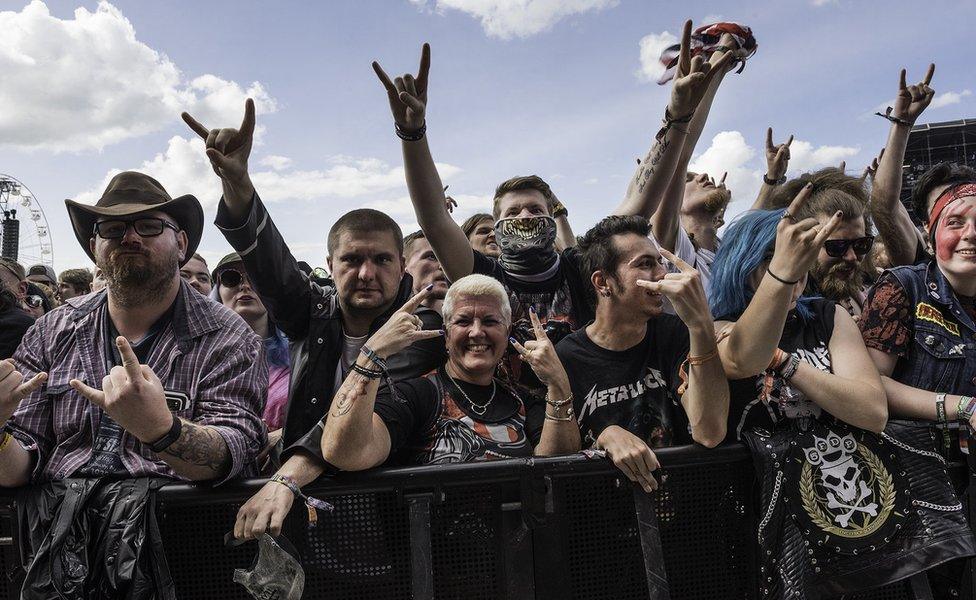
(787, 215)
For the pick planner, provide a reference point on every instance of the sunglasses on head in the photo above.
(230, 278)
(147, 227)
(838, 248)
(34, 301)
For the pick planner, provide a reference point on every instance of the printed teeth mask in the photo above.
(528, 245)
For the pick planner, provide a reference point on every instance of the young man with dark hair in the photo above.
(423, 266)
(74, 282)
(113, 394)
(633, 368)
(327, 326)
(197, 274)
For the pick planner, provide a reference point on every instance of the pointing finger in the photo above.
(247, 125)
(684, 53)
(929, 74)
(769, 139)
(676, 261)
(424, 71)
(425, 334)
(129, 360)
(829, 228)
(902, 84)
(27, 388)
(789, 141)
(414, 303)
(654, 286)
(195, 125)
(96, 397)
(800, 199)
(384, 78)
(518, 347)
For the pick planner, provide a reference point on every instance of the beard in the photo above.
(716, 200)
(836, 283)
(138, 279)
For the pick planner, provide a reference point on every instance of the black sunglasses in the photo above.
(147, 227)
(230, 278)
(33, 301)
(838, 248)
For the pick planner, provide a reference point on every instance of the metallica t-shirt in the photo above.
(635, 388)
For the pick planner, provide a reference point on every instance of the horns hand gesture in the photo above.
(541, 355)
(228, 149)
(798, 242)
(777, 156)
(692, 77)
(913, 99)
(403, 328)
(408, 94)
(13, 388)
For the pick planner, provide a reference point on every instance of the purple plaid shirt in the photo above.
(206, 352)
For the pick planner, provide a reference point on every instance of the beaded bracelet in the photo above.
(310, 503)
(410, 136)
(367, 373)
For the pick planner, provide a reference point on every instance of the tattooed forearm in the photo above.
(649, 164)
(200, 446)
(353, 388)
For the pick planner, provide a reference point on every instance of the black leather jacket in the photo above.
(309, 314)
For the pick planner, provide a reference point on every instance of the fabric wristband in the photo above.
(964, 412)
(171, 436)
(312, 504)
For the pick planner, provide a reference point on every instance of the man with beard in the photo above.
(118, 392)
(629, 363)
(843, 272)
(326, 325)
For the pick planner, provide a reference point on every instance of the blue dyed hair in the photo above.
(276, 348)
(748, 240)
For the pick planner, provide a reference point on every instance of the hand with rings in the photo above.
(403, 328)
(798, 242)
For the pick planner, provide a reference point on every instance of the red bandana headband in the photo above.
(951, 194)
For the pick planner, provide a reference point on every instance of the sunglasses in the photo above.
(230, 278)
(147, 227)
(838, 248)
(33, 301)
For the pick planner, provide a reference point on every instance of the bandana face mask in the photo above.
(528, 245)
(275, 574)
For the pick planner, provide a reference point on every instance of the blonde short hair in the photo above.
(476, 285)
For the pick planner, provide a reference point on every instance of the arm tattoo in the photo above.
(202, 447)
(353, 388)
(649, 164)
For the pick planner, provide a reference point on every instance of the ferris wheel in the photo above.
(24, 232)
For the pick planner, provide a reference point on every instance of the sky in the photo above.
(561, 88)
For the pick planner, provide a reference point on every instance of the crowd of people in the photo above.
(812, 327)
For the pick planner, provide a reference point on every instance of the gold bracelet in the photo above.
(569, 416)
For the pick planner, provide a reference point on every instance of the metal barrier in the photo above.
(553, 528)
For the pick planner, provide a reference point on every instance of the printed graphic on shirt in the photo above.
(599, 398)
(457, 438)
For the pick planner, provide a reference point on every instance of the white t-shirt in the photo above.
(350, 350)
(698, 258)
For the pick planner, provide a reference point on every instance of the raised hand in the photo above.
(777, 156)
(403, 328)
(631, 455)
(913, 99)
(408, 94)
(692, 77)
(228, 149)
(13, 388)
(872, 169)
(684, 290)
(132, 395)
(450, 202)
(798, 242)
(541, 356)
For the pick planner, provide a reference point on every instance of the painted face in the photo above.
(425, 269)
(955, 238)
(196, 274)
(241, 298)
(476, 335)
(523, 203)
(482, 239)
(367, 268)
(639, 259)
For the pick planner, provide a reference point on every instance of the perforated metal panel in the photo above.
(464, 541)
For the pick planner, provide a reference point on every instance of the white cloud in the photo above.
(948, 98)
(506, 19)
(730, 153)
(651, 46)
(824, 2)
(88, 82)
(278, 163)
(804, 157)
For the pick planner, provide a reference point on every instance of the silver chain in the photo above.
(913, 449)
(478, 409)
(938, 507)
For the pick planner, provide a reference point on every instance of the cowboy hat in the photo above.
(130, 193)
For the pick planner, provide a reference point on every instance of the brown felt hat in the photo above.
(130, 193)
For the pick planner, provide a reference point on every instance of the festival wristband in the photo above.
(171, 436)
(964, 412)
(940, 412)
(310, 503)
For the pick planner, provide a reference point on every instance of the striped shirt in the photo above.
(207, 358)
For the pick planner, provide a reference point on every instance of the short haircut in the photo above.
(476, 285)
(17, 268)
(408, 241)
(832, 191)
(196, 256)
(525, 182)
(597, 250)
(472, 222)
(79, 278)
(941, 174)
(365, 220)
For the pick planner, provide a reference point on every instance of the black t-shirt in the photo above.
(106, 458)
(811, 340)
(431, 422)
(635, 389)
(14, 323)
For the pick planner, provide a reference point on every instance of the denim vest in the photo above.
(942, 355)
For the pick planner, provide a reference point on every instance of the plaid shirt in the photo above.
(206, 352)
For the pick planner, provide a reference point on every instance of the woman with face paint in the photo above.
(919, 320)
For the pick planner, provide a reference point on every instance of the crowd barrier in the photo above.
(552, 528)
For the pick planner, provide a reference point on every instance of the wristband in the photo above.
(312, 504)
(964, 412)
(367, 373)
(887, 115)
(411, 136)
(769, 181)
(669, 121)
(374, 357)
(558, 403)
(778, 360)
(940, 413)
(171, 436)
(787, 371)
(780, 279)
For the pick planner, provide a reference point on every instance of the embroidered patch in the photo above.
(927, 312)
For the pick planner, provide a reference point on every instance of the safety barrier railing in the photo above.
(562, 528)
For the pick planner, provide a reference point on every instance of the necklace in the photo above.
(478, 409)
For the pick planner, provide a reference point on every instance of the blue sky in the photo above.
(517, 86)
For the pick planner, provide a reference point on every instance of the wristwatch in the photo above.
(769, 181)
(171, 436)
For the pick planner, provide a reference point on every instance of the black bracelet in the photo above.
(769, 181)
(367, 373)
(780, 279)
(669, 121)
(171, 436)
(887, 115)
(411, 136)
(373, 357)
